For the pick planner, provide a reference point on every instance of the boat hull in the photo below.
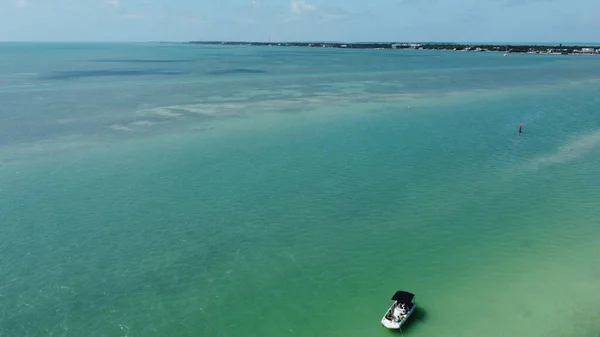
(397, 325)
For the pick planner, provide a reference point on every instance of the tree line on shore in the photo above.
(433, 46)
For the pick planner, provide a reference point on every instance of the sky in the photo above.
(301, 20)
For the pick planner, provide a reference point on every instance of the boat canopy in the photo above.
(403, 296)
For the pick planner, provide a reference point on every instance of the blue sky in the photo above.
(301, 20)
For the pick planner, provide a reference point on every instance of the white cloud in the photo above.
(23, 3)
(300, 7)
(114, 3)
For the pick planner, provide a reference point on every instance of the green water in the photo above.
(302, 219)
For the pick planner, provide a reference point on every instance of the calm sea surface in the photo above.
(179, 190)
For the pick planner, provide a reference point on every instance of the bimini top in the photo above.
(403, 296)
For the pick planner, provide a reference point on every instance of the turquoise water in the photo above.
(174, 190)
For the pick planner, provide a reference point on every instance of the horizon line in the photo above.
(308, 41)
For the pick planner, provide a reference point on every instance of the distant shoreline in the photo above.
(501, 48)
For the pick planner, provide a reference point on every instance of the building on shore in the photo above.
(587, 51)
(406, 45)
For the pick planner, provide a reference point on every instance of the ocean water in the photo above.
(179, 190)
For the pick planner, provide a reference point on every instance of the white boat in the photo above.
(400, 311)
